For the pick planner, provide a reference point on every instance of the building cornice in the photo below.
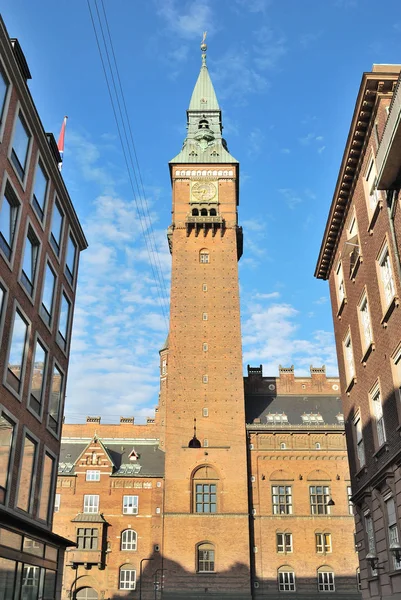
(372, 85)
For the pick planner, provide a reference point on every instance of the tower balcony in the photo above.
(204, 223)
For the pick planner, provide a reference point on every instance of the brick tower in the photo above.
(206, 514)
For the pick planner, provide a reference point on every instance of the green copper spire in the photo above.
(204, 142)
(204, 96)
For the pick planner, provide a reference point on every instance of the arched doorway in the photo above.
(86, 593)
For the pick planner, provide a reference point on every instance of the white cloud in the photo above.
(321, 300)
(187, 19)
(255, 142)
(254, 6)
(291, 197)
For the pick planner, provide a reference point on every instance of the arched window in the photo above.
(325, 579)
(195, 212)
(128, 539)
(205, 481)
(204, 256)
(286, 579)
(203, 212)
(86, 593)
(127, 577)
(213, 212)
(205, 558)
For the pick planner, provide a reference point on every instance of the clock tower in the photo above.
(206, 513)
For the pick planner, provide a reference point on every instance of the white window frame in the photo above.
(393, 533)
(350, 503)
(129, 540)
(92, 475)
(323, 543)
(284, 542)
(127, 582)
(377, 409)
(365, 322)
(359, 441)
(349, 361)
(370, 534)
(386, 276)
(286, 581)
(326, 581)
(276, 499)
(57, 502)
(340, 285)
(130, 504)
(91, 503)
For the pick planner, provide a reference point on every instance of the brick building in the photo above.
(360, 258)
(254, 489)
(40, 242)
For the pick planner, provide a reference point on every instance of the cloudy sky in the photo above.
(286, 74)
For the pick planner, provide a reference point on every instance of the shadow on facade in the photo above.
(232, 584)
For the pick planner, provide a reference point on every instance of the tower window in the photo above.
(204, 316)
(204, 256)
(205, 412)
(203, 212)
(204, 287)
(205, 482)
(205, 379)
(205, 558)
(213, 212)
(195, 212)
(205, 347)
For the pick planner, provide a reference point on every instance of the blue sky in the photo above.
(286, 75)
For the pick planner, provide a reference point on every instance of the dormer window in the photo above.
(133, 455)
(278, 418)
(312, 419)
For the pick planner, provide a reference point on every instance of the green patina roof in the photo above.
(204, 97)
(204, 142)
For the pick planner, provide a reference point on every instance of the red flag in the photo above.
(60, 143)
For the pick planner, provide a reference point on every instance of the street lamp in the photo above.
(372, 560)
(140, 576)
(395, 549)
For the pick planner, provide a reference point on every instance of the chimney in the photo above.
(93, 419)
(287, 377)
(318, 376)
(127, 420)
(255, 371)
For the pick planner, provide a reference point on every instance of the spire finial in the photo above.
(203, 47)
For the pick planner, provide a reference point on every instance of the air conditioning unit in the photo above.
(156, 548)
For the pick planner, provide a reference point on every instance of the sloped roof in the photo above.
(204, 97)
(258, 406)
(88, 518)
(193, 153)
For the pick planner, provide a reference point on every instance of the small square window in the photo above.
(92, 475)
(204, 316)
(130, 505)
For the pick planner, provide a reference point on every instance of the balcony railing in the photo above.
(388, 155)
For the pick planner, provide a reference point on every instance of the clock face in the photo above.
(204, 191)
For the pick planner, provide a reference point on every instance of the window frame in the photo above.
(82, 538)
(349, 367)
(324, 543)
(321, 584)
(370, 537)
(9, 476)
(359, 441)
(26, 433)
(129, 545)
(9, 193)
(132, 584)
(393, 533)
(202, 547)
(4, 108)
(37, 209)
(381, 259)
(341, 292)
(314, 506)
(56, 433)
(42, 309)
(52, 240)
(64, 342)
(50, 504)
(350, 503)
(92, 471)
(204, 257)
(364, 324)
(88, 504)
(36, 249)
(67, 273)
(376, 408)
(17, 394)
(38, 340)
(287, 547)
(22, 175)
(282, 584)
(134, 507)
(276, 505)
(57, 502)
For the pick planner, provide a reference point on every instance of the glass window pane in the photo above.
(48, 291)
(6, 439)
(3, 93)
(30, 582)
(49, 588)
(55, 398)
(70, 261)
(8, 220)
(64, 317)
(10, 539)
(57, 224)
(37, 379)
(39, 193)
(7, 578)
(17, 348)
(47, 477)
(20, 145)
(5, 221)
(26, 475)
(33, 547)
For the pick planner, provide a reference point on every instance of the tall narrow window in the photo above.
(128, 540)
(4, 84)
(205, 558)
(286, 580)
(57, 228)
(8, 221)
(204, 256)
(91, 503)
(340, 285)
(378, 412)
(30, 582)
(319, 498)
(386, 276)
(371, 539)
(393, 537)
(20, 145)
(6, 441)
(360, 446)
(350, 503)
(40, 190)
(365, 323)
(7, 583)
(353, 245)
(38, 378)
(30, 261)
(370, 186)
(282, 499)
(48, 295)
(64, 321)
(25, 489)
(45, 492)
(17, 356)
(56, 392)
(70, 264)
(57, 502)
(349, 358)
